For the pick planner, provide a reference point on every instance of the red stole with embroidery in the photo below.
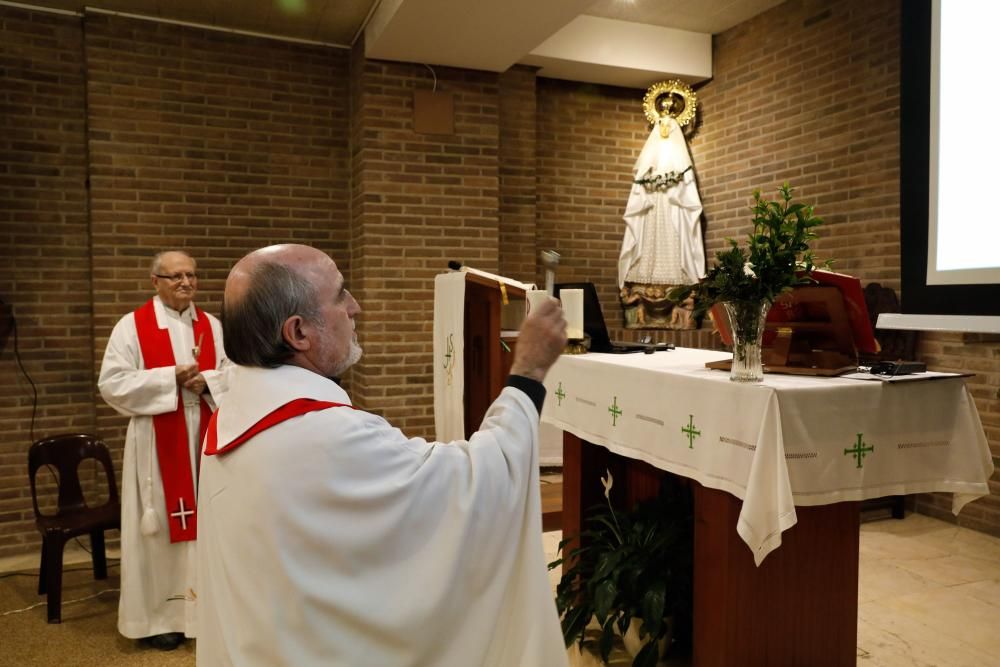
(170, 428)
(294, 408)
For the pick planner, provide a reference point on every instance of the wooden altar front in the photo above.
(800, 607)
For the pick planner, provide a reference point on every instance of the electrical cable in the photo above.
(20, 364)
(22, 573)
(64, 603)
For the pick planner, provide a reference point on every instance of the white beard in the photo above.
(353, 357)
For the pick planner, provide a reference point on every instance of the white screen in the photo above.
(963, 240)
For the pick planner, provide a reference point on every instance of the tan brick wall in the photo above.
(808, 93)
(221, 143)
(518, 179)
(45, 271)
(211, 142)
(426, 199)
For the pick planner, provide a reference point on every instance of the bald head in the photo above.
(302, 260)
(276, 305)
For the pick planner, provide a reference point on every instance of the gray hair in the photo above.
(251, 325)
(157, 264)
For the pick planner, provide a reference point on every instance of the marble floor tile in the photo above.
(879, 579)
(891, 638)
(929, 594)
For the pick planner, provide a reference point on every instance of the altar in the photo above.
(777, 471)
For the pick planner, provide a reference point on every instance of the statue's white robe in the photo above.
(332, 539)
(663, 242)
(157, 577)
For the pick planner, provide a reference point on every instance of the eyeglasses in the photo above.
(178, 277)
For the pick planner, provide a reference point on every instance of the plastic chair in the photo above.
(74, 517)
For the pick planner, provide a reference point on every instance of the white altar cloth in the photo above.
(792, 440)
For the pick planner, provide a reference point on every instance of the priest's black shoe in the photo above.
(165, 642)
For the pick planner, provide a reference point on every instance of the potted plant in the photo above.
(633, 569)
(747, 280)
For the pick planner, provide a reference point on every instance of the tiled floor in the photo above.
(929, 594)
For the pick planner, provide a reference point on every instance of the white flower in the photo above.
(748, 270)
(608, 483)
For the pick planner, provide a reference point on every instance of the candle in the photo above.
(572, 303)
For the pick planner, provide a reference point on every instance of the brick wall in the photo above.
(221, 143)
(808, 93)
(45, 270)
(211, 142)
(208, 141)
(518, 181)
(426, 199)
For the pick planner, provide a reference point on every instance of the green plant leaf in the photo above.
(605, 594)
(654, 601)
(607, 641)
(647, 656)
(573, 624)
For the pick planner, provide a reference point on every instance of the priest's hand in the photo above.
(196, 384)
(541, 340)
(184, 373)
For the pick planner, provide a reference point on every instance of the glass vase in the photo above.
(746, 321)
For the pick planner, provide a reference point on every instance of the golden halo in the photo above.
(670, 98)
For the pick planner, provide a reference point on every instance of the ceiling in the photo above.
(619, 42)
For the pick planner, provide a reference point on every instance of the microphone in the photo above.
(454, 266)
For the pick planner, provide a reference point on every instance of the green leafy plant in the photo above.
(631, 565)
(775, 259)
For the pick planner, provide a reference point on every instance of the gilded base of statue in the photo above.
(647, 307)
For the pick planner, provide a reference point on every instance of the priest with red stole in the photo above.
(328, 537)
(165, 368)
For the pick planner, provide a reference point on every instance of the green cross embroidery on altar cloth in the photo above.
(615, 411)
(560, 394)
(690, 431)
(859, 450)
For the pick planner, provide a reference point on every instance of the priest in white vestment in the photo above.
(330, 538)
(164, 367)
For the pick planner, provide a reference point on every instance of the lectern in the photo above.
(489, 350)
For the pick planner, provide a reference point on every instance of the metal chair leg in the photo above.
(53, 578)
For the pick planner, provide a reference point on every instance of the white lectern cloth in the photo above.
(793, 440)
(449, 351)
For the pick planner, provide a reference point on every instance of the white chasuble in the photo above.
(157, 578)
(663, 243)
(333, 539)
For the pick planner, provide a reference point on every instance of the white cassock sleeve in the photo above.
(217, 380)
(124, 382)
